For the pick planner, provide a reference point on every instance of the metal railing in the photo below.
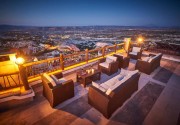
(35, 69)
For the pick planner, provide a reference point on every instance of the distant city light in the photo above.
(20, 61)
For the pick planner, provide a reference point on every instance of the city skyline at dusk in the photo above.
(90, 12)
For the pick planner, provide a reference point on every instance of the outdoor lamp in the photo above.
(20, 61)
(140, 40)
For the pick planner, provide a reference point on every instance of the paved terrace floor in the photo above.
(158, 106)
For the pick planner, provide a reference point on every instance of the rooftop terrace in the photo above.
(157, 102)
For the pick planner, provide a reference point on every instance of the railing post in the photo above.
(87, 55)
(103, 52)
(23, 75)
(127, 42)
(61, 61)
(115, 49)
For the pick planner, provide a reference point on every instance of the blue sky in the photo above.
(90, 12)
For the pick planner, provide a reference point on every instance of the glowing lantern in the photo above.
(20, 61)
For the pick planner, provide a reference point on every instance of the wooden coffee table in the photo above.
(84, 77)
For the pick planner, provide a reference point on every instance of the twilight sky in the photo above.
(90, 12)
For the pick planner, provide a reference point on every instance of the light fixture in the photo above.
(140, 40)
(20, 61)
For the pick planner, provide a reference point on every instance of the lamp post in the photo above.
(140, 41)
(20, 61)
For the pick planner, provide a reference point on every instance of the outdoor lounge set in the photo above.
(109, 95)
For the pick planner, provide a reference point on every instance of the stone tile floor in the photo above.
(165, 111)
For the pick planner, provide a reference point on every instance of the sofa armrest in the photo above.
(102, 60)
(68, 83)
(143, 66)
(113, 65)
(59, 75)
(151, 54)
(98, 99)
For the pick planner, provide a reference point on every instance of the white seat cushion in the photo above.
(136, 49)
(95, 84)
(112, 82)
(112, 58)
(108, 92)
(108, 60)
(105, 86)
(146, 59)
(104, 64)
(128, 72)
(133, 53)
(99, 87)
(50, 79)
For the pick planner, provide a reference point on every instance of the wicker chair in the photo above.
(111, 67)
(135, 53)
(59, 93)
(123, 61)
(148, 66)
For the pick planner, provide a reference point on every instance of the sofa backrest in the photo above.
(127, 75)
(136, 49)
(48, 79)
(155, 61)
(126, 83)
(112, 58)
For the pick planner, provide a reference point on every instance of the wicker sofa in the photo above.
(109, 96)
(57, 90)
(123, 61)
(135, 53)
(108, 65)
(149, 64)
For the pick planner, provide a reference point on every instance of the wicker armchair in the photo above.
(110, 68)
(148, 66)
(135, 53)
(59, 93)
(123, 61)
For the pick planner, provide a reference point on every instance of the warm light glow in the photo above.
(19, 60)
(140, 40)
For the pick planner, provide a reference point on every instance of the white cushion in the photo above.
(113, 81)
(112, 58)
(95, 84)
(105, 86)
(108, 60)
(60, 81)
(133, 53)
(104, 64)
(146, 59)
(50, 79)
(136, 49)
(108, 92)
(99, 87)
(102, 89)
(128, 72)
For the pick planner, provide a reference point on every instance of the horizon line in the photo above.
(91, 25)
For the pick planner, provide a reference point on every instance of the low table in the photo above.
(85, 77)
